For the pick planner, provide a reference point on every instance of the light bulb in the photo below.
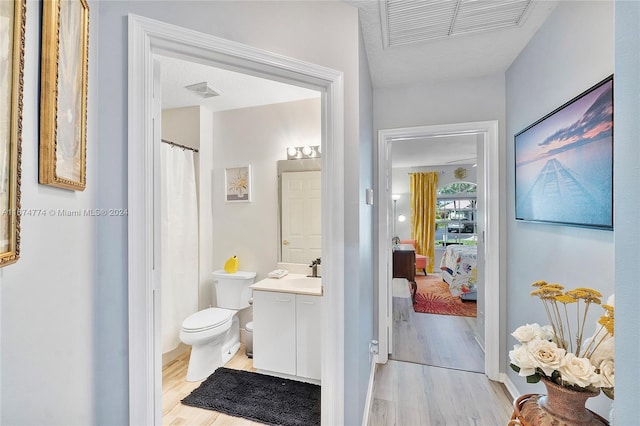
(291, 151)
(306, 150)
(401, 218)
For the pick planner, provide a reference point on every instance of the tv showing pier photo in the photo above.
(564, 163)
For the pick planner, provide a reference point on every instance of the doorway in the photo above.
(488, 230)
(147, 37)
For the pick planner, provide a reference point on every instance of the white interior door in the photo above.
(301, 237)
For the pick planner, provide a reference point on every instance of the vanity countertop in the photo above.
(291, 283)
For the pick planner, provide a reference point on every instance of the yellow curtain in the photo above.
(423, 213)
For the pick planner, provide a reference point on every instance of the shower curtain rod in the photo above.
(179, 146)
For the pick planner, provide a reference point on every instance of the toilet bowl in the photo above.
(214, 333)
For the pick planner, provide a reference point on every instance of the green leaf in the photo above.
(534, 378)
(515, 368)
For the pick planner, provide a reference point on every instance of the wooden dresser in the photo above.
(404, 265)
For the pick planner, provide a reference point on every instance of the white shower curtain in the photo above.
(179, 251)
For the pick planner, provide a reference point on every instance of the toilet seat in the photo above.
(207, 319)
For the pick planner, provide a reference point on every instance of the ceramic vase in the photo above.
(561, 406)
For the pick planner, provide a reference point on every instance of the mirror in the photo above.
(299, 229)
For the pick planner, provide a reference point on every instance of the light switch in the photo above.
(368, 196)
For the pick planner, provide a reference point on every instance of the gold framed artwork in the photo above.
(63, 93)
(12, 33)
(237, 183)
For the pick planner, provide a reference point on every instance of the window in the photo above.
(456, 214)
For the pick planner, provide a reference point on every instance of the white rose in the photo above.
(546, 333)
(546, 355)
(603, 352)
(521, 357)
(578, 371)
(527, 333)
(607, 370)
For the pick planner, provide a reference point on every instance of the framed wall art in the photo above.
(564, 163)
(12, 42)
(63, 93)
(237, 183)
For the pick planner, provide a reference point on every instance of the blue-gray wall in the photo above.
(572, 51)
(627, 209)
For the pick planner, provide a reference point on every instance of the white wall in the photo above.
(49, 296)
(627, 209)
(256, 136)
(572, 51)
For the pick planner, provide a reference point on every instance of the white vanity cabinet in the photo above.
(308, 336)
(286, 333)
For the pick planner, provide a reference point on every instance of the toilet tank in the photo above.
(232, 290)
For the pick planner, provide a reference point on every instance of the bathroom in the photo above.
(255, 135)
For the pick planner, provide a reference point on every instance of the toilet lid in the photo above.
(207, 318)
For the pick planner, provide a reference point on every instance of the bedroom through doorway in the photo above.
(435, 284)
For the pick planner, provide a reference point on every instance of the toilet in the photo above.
(214, 333)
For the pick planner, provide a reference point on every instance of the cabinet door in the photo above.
(308, 348)
(274, 335)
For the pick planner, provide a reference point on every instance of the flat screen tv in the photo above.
(564, 163)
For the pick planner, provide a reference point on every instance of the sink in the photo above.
(303, 282)
(292, 283)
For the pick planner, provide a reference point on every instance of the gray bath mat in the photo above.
(258, 397)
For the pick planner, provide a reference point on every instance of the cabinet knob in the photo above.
(285, 242)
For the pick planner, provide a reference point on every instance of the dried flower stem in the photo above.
(581, 326)
(566, 315)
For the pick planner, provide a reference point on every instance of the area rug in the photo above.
(433, 297)
(266, 399)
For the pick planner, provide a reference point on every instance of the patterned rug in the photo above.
(433, 297)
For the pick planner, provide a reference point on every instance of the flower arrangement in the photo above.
(557, 352)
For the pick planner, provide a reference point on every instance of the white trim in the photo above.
(369, 397)
(511, 388)
(147, 36)
(491, 227)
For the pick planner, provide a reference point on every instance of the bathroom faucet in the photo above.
(314, 268)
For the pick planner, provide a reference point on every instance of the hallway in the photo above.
(410, 394)
(435, 374)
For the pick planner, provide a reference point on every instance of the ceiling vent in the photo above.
(415, 21)
(203, 90)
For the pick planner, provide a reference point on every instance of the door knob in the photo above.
(285, 242)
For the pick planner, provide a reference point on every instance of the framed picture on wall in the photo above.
(237, 183)
(12, 39)
(564, 163)
(63, 93)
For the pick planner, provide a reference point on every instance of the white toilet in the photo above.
(214, 333)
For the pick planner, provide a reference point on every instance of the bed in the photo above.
(459, 270)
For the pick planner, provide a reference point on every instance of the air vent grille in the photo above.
(203, 90)
(415, 21)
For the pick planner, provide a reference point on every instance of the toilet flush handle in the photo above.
(251, 301)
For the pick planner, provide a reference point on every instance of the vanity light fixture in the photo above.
(300, 152)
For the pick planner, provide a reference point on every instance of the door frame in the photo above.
(147, 37)
(489, 229)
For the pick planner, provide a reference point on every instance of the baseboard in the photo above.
(367, 402)
(506, 381)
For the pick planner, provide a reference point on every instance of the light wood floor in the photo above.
(437, 340)
(175, 387)
(408, 394)
(404, 393)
